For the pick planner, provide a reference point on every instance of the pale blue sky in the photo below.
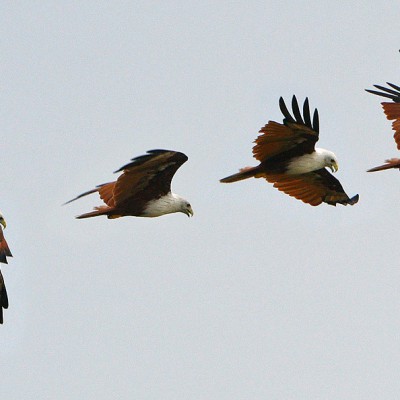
(259, 296)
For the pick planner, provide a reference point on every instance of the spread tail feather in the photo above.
(391, 163)
(244, 173)
(82, 195)
(96, 189)
(102, 210)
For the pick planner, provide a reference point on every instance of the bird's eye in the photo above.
(332, 160)
(187, 204)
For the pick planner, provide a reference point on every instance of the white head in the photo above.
(183, 206)
(329, 159)
(170, 203)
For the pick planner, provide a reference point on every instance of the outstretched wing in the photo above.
(3, 297)
(149, 176)
(392, 109)
(298, 134)
(313, 188)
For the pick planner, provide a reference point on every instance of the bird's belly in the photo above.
(302, 165)
(158, 207)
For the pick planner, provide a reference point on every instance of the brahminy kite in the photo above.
(143, 189)
(392, 111)
(288, 159)
(4, 253)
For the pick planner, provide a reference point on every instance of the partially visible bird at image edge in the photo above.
(4, 253)
(392, 111)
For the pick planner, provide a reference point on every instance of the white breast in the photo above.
(307, 163)
(167, 204)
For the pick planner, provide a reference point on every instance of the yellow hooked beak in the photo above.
(334, 166)
(189, 212)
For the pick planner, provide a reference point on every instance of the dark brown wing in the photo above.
(297, 135)
(149, 176)
(392, 110)
(312, 188)
(3, 297)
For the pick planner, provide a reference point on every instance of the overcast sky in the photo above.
(258, 296)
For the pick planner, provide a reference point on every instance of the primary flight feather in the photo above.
(288, 159)
(143, 189)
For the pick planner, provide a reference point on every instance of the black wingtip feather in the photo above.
(296, 110)
(3, 303)
(387, 92)
(143, 158)
(315, 124)
(389, 96)
(4, 297)
(149, 155)
(394, 86)
(306, 112)
(285, 111)
(354, 200)
(298, 118)
(385, 89)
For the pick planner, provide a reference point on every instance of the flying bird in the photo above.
(143, 189)
(392, 111)
(4, 253)
(289, 159)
